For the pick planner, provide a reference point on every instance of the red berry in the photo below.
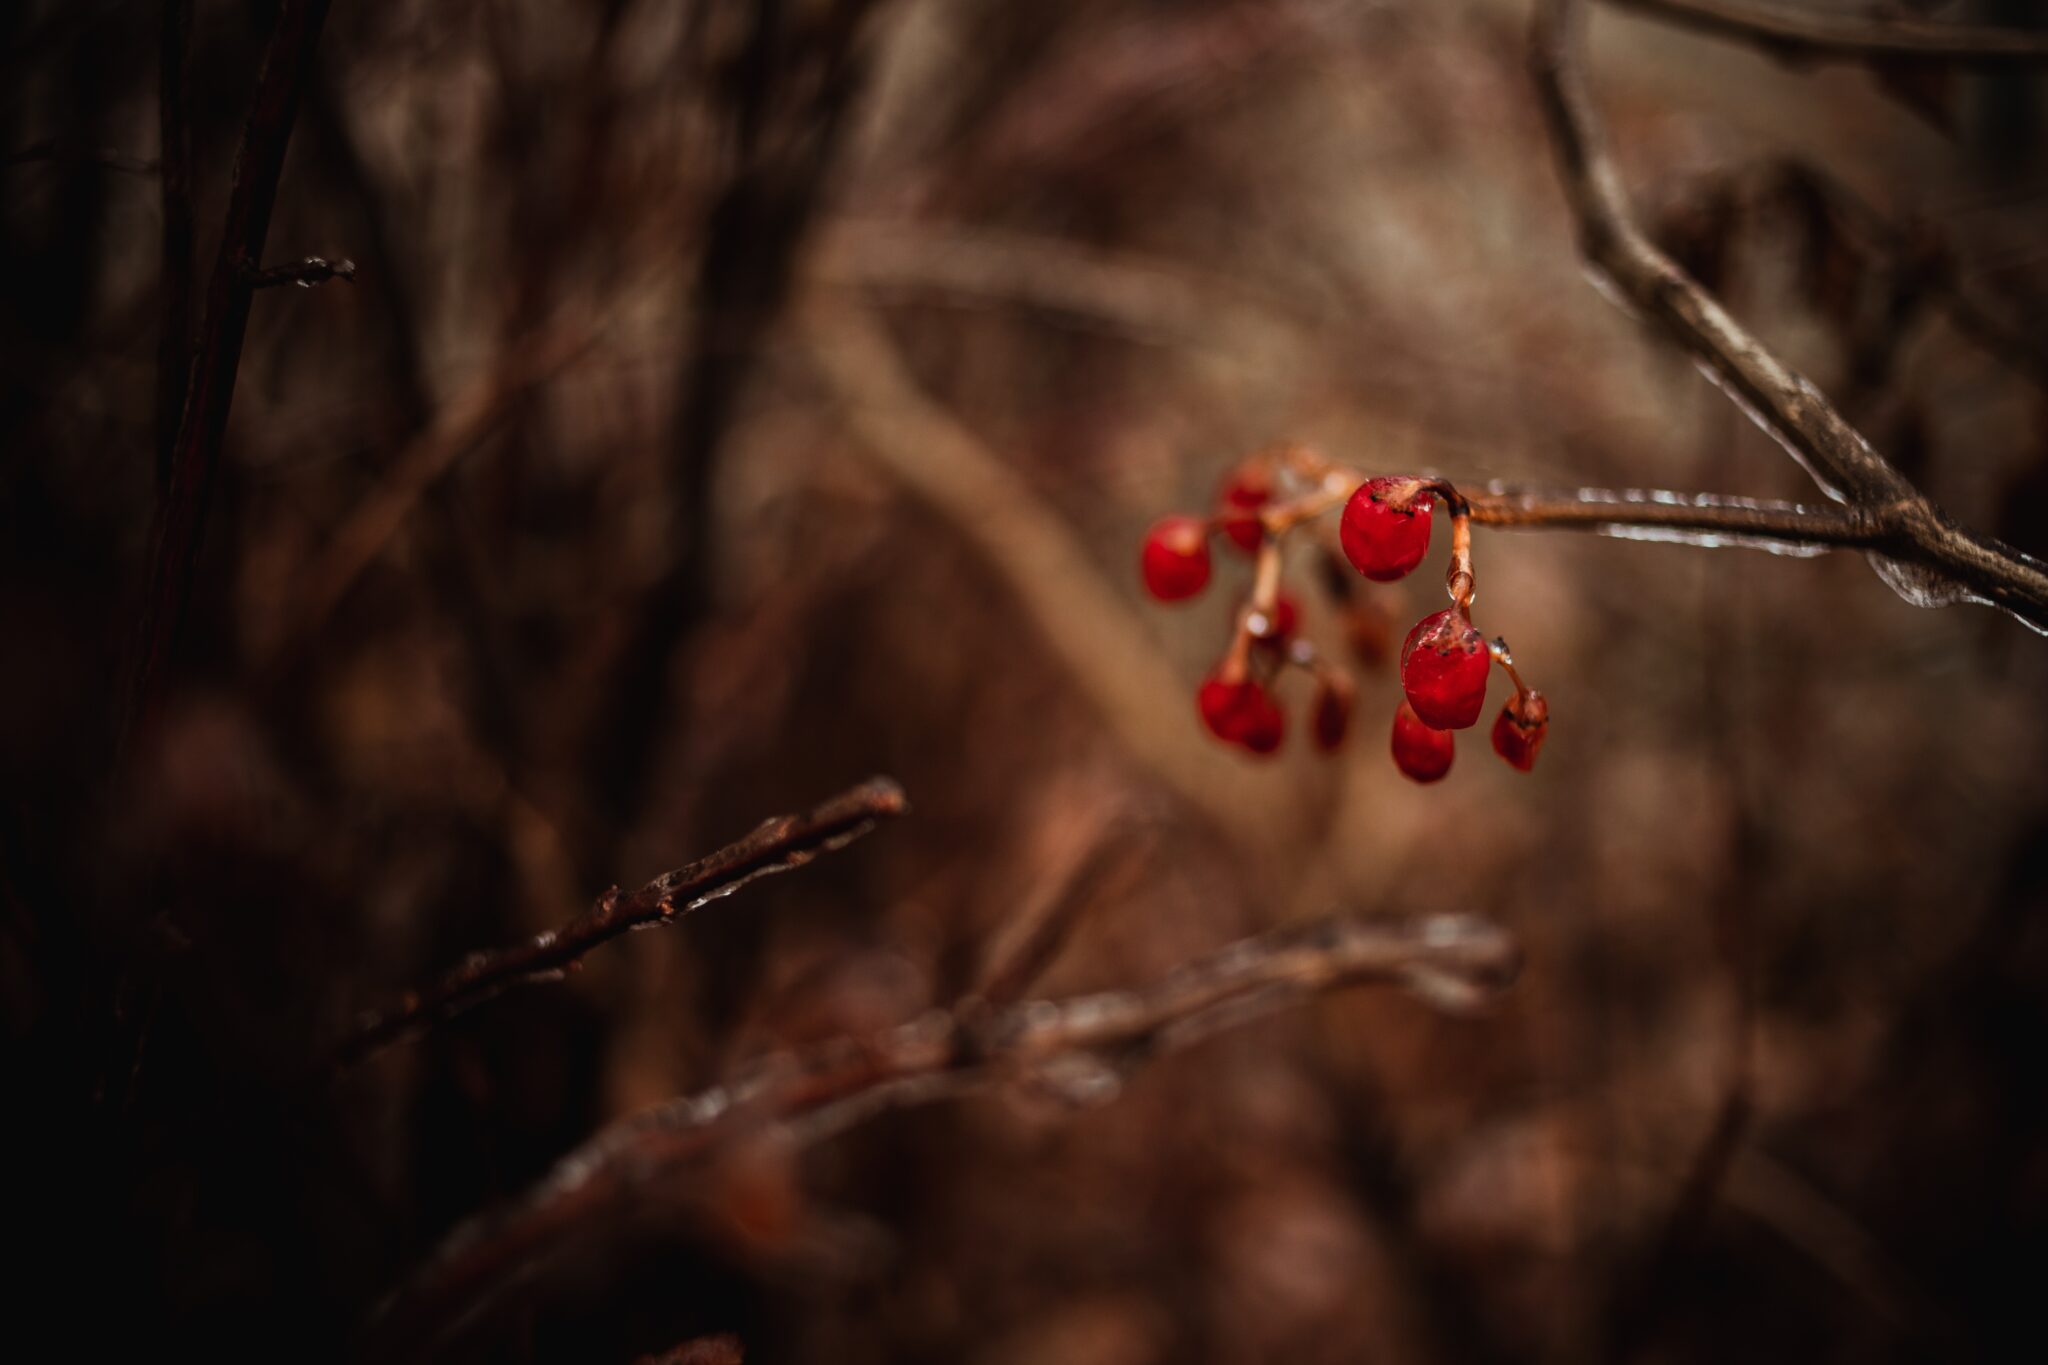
(1241, 713)
(1420, 752)
(1249, 488)
(1331, 719)
(1281, 623)
(1175, 560)
(1443, 670)
(1381, 540)
(1519, 729)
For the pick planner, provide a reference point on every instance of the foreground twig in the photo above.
(777, 845)
(1818, 33)
(195, 454)
(1077, 1047)
(1962, 563)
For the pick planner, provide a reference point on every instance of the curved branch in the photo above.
(776, 845)
(1821, 34)
(1078, 1046)
(1783, 401)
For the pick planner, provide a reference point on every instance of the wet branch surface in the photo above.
(1075, 1048)
(1808, 32)
(1683, 514)
(1918, 535)
(776, 845)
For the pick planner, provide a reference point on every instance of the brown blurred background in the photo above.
(739, 398)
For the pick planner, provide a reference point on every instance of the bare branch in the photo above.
(1079, 1045)
(1817, 33)
(1705, 515)
(775, 845)
(305, 273)
(1785, 402)
(195, 455)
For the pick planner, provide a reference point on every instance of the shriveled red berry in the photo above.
(1519, 729)
(1443, 670)
(1280, 623)
(1421, 753)
(1249, 488)
(1175, 560)
(1241, 713)
(1384, 541)
(1330, 721)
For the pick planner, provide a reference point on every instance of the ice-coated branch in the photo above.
(1077, 1048)
(775, 845)
(1929, 558)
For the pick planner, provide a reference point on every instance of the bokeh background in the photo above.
(739, 398)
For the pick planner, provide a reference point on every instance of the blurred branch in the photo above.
(1915, 248)
(776, 845)
(1078, 1047)
(54, 149)
(1786, 403)
(1026, 945)
(306, 273)
(1782, 28)
(180, 521)
(174, 135)
(1086, 627)
(786, 104)
(456, 429)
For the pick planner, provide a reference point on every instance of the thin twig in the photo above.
(1785, 402)
(195, 456)
(776, 845)
(1080, 1045)
(1818, 33)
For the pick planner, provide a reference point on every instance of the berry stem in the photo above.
(1460, 578)
(1498, 648)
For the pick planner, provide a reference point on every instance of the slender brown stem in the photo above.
(1078, 1048)
(1846, 34)
(1925, 542)
(195, 453)
(776, 845)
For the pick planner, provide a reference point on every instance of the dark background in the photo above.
(557, 549)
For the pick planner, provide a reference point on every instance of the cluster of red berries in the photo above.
(1384, 533)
